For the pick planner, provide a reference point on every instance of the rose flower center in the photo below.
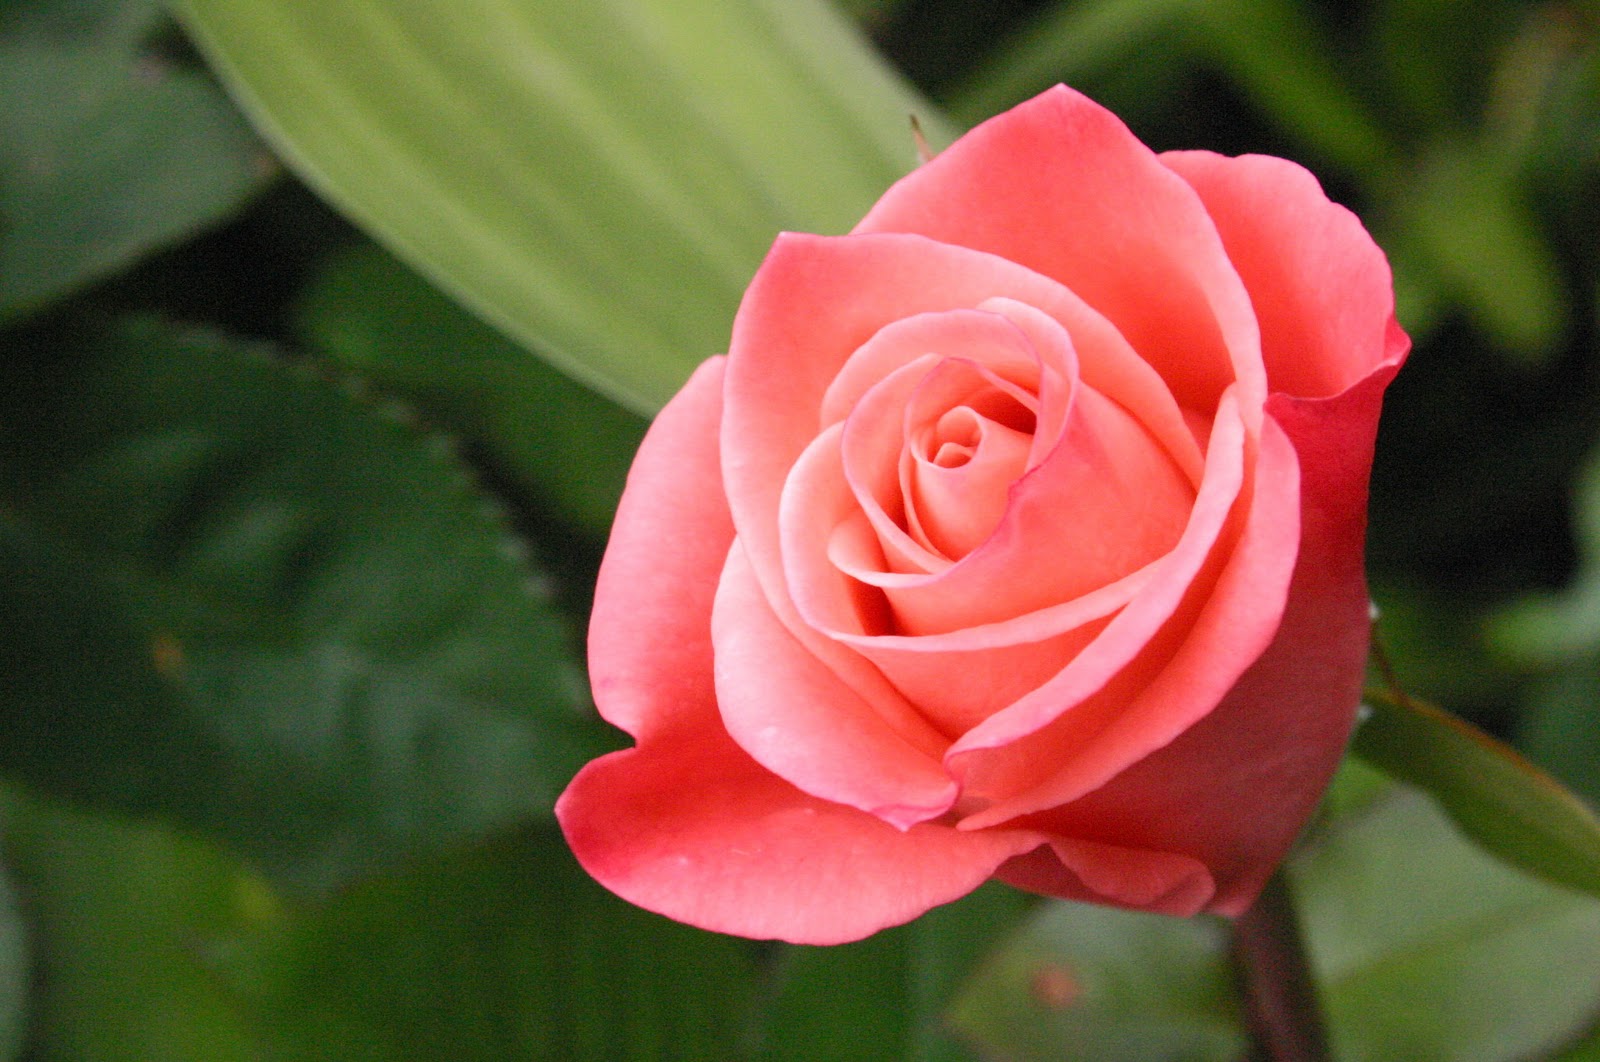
(958, 466)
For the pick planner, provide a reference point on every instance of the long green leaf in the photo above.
(598, 179)
(1507, 805)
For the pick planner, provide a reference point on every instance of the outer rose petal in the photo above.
(649, 631)
(689, 826)
(1321, 288)
(1060, 185)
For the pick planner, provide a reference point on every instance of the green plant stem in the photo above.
(1280, 998)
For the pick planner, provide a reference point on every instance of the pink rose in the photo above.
(1018, 535)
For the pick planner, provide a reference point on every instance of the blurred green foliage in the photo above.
(295, 550)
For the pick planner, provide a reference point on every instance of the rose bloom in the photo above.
(1018, 535)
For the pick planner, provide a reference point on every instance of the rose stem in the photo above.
(1386, 670)
(1280, 998)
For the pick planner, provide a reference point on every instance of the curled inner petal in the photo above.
(959, 491)
(958, 461)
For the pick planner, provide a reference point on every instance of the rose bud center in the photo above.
(960, 468)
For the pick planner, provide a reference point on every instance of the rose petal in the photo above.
(960, 469)
(1165, 660)
(1162, 882)
(978, 335)
(650, 630)
(816, 300)
(1060, 659)
(874, 390)
(796, 715)
(1114, 370)
(1321, 288)
(1059, 184)
(1235, 789)
(1105, 500)
(825, 521)
(958, 690)
(965, 439)
(689, 826)
(961, 678)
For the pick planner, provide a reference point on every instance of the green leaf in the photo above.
(564, 447)
(1436, 56)
(1278, 54)
(1557, 728)
(1069, 42)
(883, 998)
(1508, 806)
(107, 150)
(1426, 948)
(503, 953)
(598, 179)
(1116, 986)
(126, 921)
(1463, 212)
(264, 608)
(1545, 629)
(15, 970)
(1423, 948)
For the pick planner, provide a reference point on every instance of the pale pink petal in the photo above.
(1103, 506)
(961, 678)
(981, 336)
(798, 718)
(1059, 184)
(1081, 519)
(874, 441)
(827, 539)
(688, 826)
(1107, 501)
(958, 690)
(650, 629)
(1111, 368)
(966, 439)
(816, 300)
(1321, 288)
